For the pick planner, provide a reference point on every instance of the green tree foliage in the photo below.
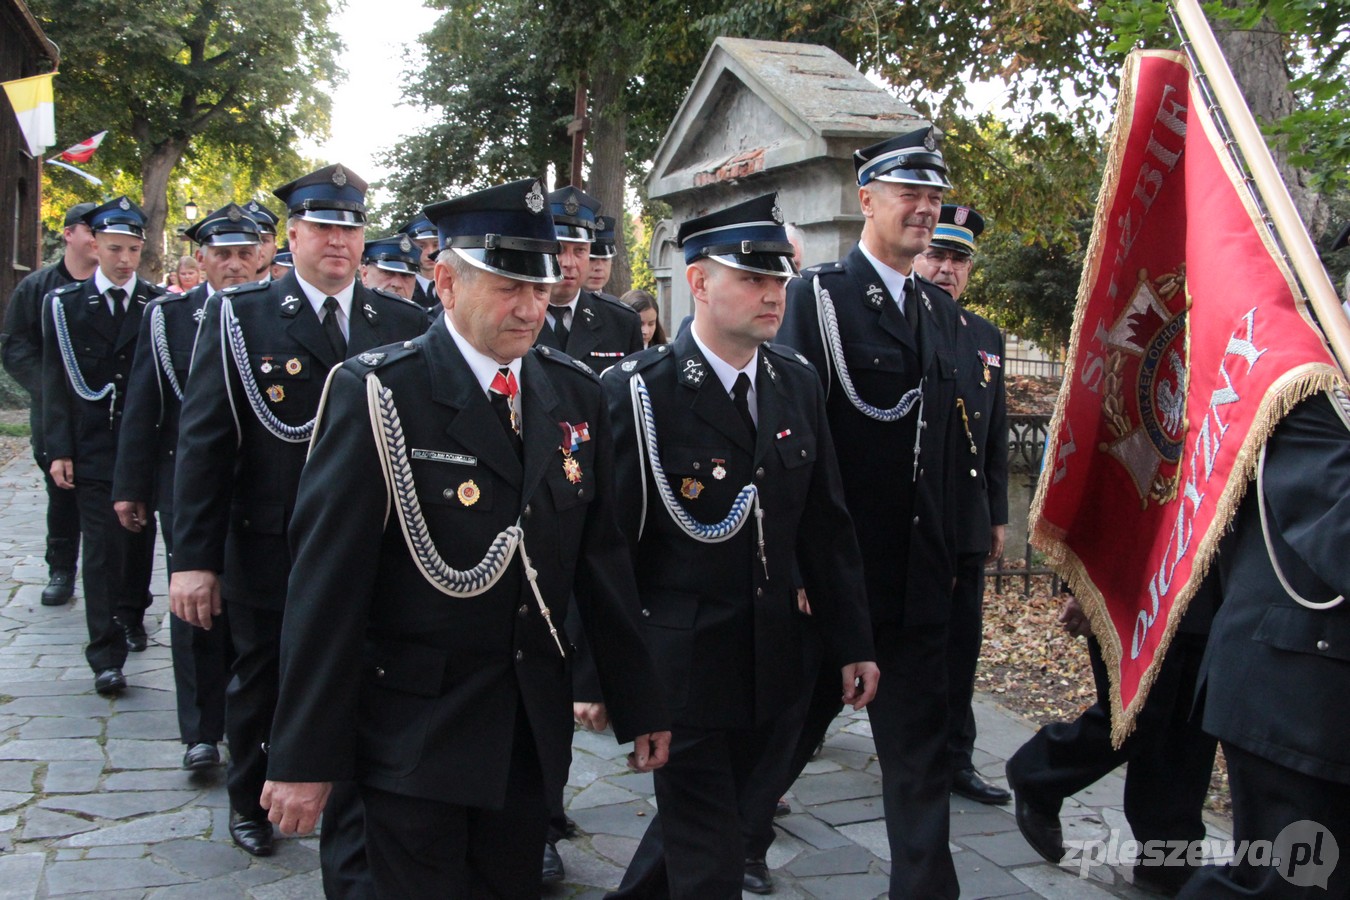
(241, 79)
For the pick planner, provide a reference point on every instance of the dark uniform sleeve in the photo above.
(634, 340)
(828, 558)
(208, 439)
(58, 414)
(801, 325)
(335, 538)
(996, 446)
(138, 441)
(22, 345)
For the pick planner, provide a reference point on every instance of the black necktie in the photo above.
(332, 328)
(740, 394)
(560, 317)
(910, 307)
(119, 298)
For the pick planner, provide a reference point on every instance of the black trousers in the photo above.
(63, 523)
(693, 848)
(963, 656)
(909, 726)
(116, 573)
(1170, 757)
(250, 704)
(201, 665)
(443, 851)
(1267, 798)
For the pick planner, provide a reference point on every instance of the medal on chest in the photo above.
(573, 436)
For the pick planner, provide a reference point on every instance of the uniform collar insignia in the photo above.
(589, 313)
(692, 372)
(199, 314)
(769, 369)
(290, 306)
(371, 315)
(875, 296)
(927, 304)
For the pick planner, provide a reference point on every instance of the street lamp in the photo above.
(190, 211)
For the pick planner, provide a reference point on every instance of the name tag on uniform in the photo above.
(442, 456)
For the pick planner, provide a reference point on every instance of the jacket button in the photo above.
(876, 361)
(977, 413)
(117, 376)
(448, 494)
(379, 672)
(581, 492)
(526, 512)
(646, 613)
(523, 611)
(759, 473)
(916, 520)
(696, 465)
(921, 473)
(247, 523)
(759, 592)
(803, 454)
(171, 453)
(1323, 646)
(973, 473)
(520, 654)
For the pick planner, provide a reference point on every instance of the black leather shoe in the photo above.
(136, 638)
(569, 827)
(967, 783)
(60, 588)
(110, 682)
(757, 879)
(201, 756)
(782, 808)
(253, 837)
(1041, 830)
(553, 865)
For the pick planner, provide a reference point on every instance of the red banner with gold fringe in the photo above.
(1191, 339)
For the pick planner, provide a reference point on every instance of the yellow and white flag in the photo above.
(32, 102)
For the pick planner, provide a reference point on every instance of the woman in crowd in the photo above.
(645, 304)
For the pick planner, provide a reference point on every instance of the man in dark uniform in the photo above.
(594, 328)
(267, 239)
(89, 340)
(391, 264)
(1277, 666)
(602, 255)
(227, 250)
(432, 673)
(282, 263)
(597, 330)
(731, 490)
(889, 340)
(257, 375)
(981, 479)
(423, 235)
(21, 350)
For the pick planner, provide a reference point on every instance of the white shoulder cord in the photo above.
(834, 346)
(392, 448)
(746, 499)
(1265, 532)
(72, 365)
(161, 344)
(233, 335)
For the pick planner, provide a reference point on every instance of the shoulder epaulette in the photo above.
(381, 357)
(562, 359)
(68, 288)
(247, 287)
(402, 301)
(613, 301)
(823, 269)
(787, 352)
(643, 359)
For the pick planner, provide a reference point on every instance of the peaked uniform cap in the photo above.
(75, 215)
(419, 228)
(266, 219)
(118, 216)
(396, 253)
(505, 229)
(957, 228)
(228, 226)
(747, 236)
(603, 245)
(574, 214)
(910, 158)
(332, 195)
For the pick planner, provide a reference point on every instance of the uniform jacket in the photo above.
(235, 482)
(900, 512)
(83, 430)
(603, 331)
(411, 691)
(425, 297)
(21, 342)
(1276, 673)
(148, 443)
(725, 633)
(981, 472)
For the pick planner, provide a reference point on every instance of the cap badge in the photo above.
(961, 215)
(124, 204)
(571, 205)
(777, 213)
(405, 244)
(339, 177)
(234, 215)
(929, 140)
(253, 206)
(534, 200)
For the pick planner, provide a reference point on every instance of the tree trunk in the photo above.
(608, 141)
(156, 167)
(1257, 59)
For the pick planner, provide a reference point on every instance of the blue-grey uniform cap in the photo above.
(333, 195)
(228, 226)
(603, 245)
(747, 236)
(118, 216)
(284, 258)
(911, 158)
(574, 213)
(505, 229)
(420, 228)
(266, 219)
(396, 253)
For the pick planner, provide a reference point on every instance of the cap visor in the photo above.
(397, 265)
(345, 217)
(602, 251)
(573, 233)
(536, 268)
(232, 239)
(118, 228)
(774, 264)
(924, 177)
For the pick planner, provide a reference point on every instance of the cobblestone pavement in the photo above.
(93, 802)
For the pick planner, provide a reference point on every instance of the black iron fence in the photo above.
(1045, 368)
(1026, 448)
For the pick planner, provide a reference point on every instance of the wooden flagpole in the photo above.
(1270, 187)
